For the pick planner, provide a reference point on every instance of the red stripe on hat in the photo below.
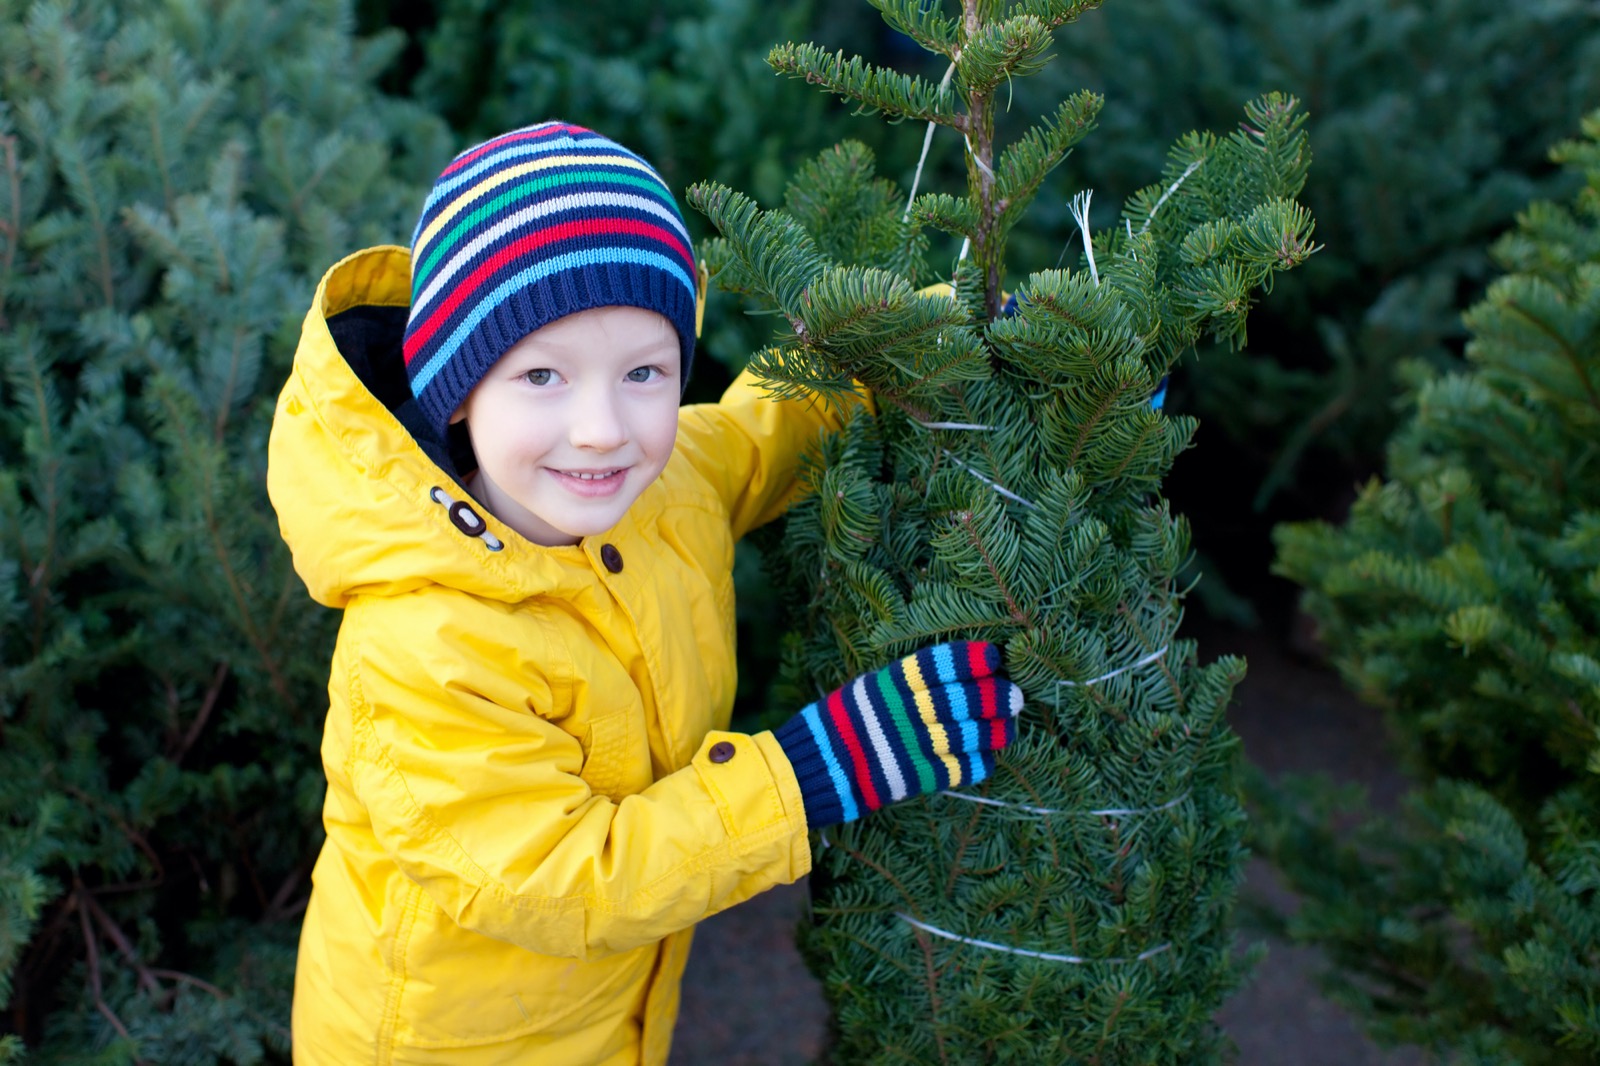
(510, 138)
(852, 743)
(532, 242)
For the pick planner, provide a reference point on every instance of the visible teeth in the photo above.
(591, 477)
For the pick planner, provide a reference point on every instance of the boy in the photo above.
(480, 458)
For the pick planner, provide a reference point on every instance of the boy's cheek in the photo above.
(666, 434)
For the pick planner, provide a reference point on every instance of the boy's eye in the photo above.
(641, 373)
(538, 377)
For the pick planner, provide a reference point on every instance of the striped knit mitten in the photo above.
(931, 721)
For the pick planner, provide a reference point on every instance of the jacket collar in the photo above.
(366, 507)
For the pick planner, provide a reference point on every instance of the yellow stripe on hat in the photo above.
(500, 177)
(941, 740)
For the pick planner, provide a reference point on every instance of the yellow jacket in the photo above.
(529, 803)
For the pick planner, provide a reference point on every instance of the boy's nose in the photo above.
(598, 423)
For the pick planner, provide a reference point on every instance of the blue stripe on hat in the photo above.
(538, 272)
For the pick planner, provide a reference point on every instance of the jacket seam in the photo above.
(771, 790)
(389, 1024)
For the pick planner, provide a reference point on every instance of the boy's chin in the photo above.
(580, 527)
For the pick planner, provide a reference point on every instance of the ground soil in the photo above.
(749, 1001)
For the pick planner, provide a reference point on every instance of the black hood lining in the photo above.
(371, 340)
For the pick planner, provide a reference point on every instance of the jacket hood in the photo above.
(366, 499)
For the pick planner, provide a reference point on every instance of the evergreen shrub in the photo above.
(1430, 122)
(1463, 597)
(174, 176)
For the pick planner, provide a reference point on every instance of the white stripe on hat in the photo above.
(528, 214)
(448, 210)
(512, 149)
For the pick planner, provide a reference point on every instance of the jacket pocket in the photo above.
(463, 989)
(610, 758)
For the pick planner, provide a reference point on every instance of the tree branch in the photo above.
(218, 676)
(92, 965)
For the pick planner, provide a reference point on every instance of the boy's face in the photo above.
(575, 421)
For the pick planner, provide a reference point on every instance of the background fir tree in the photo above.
(1431, 123)
(1077, 907)
(1463, 597)
(174, 176)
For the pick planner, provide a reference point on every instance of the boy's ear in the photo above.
(460, 415)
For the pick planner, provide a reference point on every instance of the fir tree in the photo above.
(1463, 597)
(1076, 908)
(1431, 123)
(174, 176)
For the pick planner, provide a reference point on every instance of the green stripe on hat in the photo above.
(528, 188)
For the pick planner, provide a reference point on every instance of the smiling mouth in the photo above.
(590, 475)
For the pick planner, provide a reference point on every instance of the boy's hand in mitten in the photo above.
(931, 721)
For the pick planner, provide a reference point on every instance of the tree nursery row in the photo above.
(1167, 307)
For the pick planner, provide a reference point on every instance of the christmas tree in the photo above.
(174, 176)
(1463, 597)
(1076, 907)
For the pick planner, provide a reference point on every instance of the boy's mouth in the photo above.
(592, 482)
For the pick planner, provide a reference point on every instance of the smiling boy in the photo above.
(573, 422)
(532, 796)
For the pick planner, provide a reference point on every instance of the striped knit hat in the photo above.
(529, 227)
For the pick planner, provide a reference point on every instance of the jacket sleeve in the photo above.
(476, 796)
(748, 445)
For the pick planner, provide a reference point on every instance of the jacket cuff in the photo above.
(754, 788)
